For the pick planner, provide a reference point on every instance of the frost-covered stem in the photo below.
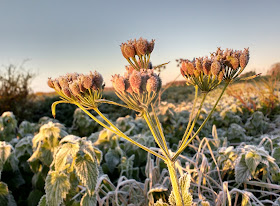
(189, 130)
(175, 183)
(191, 115)
(157, 138)
(202, 125)
(116, 131)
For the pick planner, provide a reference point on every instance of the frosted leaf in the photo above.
(87, 170)
(88, 200)
(43, 201)
(160, 203)
(57, 186)
(65, 151)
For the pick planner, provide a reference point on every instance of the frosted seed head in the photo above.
(190, 67)
(198, 65)
(135, 82)
(67, 92)
(152, 84)
(215, 68)
(63, 82)
(151, 45)
(118, 83)
(123, 51)
(82, 88)
(244, 58)
(144, 79)
(75, 89)
(206, 65)
(234, 62)
(50, 83)
(56, 85)
(98, 80)
(87, 81)
(129, 49)
(184, 70)
(141, 46)
(128, 87)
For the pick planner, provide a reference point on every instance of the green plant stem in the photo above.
(188, 133)
(175, 183)
(202, 125)
(157, 138)
(117, 131)
(191, 115)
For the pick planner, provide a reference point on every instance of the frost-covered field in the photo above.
(234, 160)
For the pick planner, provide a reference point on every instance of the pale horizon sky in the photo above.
(81, 36)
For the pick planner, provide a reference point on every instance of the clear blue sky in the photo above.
(78, 36)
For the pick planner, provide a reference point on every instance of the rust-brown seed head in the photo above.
(141, 46)
(75, 89)
(50, 83)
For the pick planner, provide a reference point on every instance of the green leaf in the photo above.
(276, 155)
(43, 201)
(184, 183)
(252, 160)
(65, 151)
(88, 200)
(242, 173)
(88, 148)
(34, 197)
(87, 171)
(5, 152)
(56, 187)
(112, 159)
(4, 192)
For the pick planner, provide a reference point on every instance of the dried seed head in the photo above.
(234, 62)
(67, 92)
(135, 82)
(206, 66)
(56, 85)
(184, 69)
(198, 65)
(152, 84)
(50, 83)
(118, 83)
(87, 81)
(151, 46)
(215, 68)
(141, 46)
(190, 67)
(82, 88)
(128, 87)
(144, 79)
(244, 58)
(63, 82)
(98, 80)
(75, 89)
(129, 49)
(123, 52)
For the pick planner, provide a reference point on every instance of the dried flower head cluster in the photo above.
(141, 49)
(84, 89)
(209, 72)
(137, 88)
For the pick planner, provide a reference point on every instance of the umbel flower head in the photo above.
(79, 88)
(208, 72)
(138, 52)
(137, 88)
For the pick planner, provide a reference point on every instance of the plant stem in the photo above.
(201, 126)
(155, 134)
(117, 131)
(175, 183)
